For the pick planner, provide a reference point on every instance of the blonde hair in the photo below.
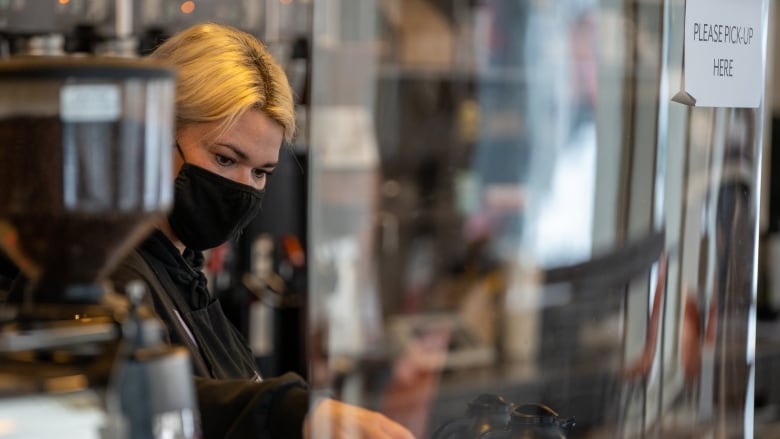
(223, 72)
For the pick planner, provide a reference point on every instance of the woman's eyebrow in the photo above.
(236, 150)
(243, 156)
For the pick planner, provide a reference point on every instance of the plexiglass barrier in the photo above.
(515, 232)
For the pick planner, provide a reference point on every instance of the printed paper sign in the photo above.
(724, 52)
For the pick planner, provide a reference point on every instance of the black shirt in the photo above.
(233, 400)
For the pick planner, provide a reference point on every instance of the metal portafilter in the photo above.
(85, 172)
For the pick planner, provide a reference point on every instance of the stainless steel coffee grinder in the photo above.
(85, 172)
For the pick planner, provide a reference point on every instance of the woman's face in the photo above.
(246, 153)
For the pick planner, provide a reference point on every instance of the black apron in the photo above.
(218, 350)
(233, 401)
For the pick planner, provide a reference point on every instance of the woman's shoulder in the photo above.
(132, 267)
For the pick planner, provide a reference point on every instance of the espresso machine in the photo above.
(85, 173)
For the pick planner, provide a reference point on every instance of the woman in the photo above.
(234, 108)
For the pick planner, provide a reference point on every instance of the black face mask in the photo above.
(209, 209)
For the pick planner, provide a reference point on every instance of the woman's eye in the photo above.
(224, 161)
(259, 173)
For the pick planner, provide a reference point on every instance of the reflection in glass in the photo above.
(507, 206)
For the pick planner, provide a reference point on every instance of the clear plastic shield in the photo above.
(516, 232)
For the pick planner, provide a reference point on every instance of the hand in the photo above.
(336, 420)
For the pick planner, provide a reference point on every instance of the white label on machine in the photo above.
(724, 48)
(90, 103)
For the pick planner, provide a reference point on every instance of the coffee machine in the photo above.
(85, 173)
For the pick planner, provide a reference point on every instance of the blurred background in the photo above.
(492, 204)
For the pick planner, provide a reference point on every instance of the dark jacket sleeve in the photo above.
(274, 408)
